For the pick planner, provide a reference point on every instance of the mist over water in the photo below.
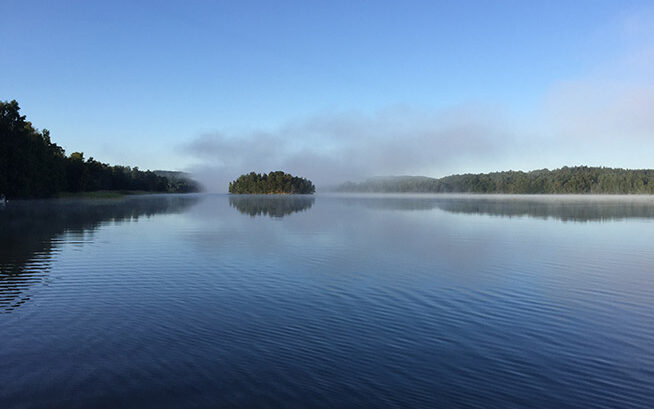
(327, 300)
(414, 301)
(332, 148)
(576, 208)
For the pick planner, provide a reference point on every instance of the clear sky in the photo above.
(349, 88)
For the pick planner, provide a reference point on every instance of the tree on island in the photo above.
(271, 183)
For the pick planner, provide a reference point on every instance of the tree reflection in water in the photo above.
(30, 233)
(271, 205)
(574, 208)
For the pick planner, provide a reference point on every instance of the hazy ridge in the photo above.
(566, 180)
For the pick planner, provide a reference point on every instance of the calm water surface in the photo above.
(214, 301)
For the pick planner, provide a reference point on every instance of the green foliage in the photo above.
(32, 166)
(179, 182)
(579, 179)
(273, 182)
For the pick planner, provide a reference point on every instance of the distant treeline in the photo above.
(179, 182)
(579, 179)
(273, 182)
(31, 165)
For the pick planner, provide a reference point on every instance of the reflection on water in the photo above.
(355, 301)
(566, 208)
(30, 231)
(271, 205)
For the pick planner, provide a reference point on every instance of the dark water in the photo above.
(327, 302)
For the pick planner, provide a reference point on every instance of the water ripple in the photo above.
(368, 304)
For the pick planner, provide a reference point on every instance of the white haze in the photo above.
(332, 148)
(602, 118)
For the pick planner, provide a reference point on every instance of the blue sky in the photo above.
(180, 85)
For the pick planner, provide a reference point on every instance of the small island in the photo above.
(272, 183)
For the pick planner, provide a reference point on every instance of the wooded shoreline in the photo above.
(566, 180)
(32, 166)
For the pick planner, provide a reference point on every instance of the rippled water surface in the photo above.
(327, 302)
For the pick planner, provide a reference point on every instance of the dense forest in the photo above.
(31, 165)
(179, 182)
(273, 182)
(579, 179)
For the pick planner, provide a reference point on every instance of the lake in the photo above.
(329, 301)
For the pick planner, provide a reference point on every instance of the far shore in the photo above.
(103, 194)
(517, 196)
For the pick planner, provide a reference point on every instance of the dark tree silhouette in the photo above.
(273, 182)
(31, 165)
